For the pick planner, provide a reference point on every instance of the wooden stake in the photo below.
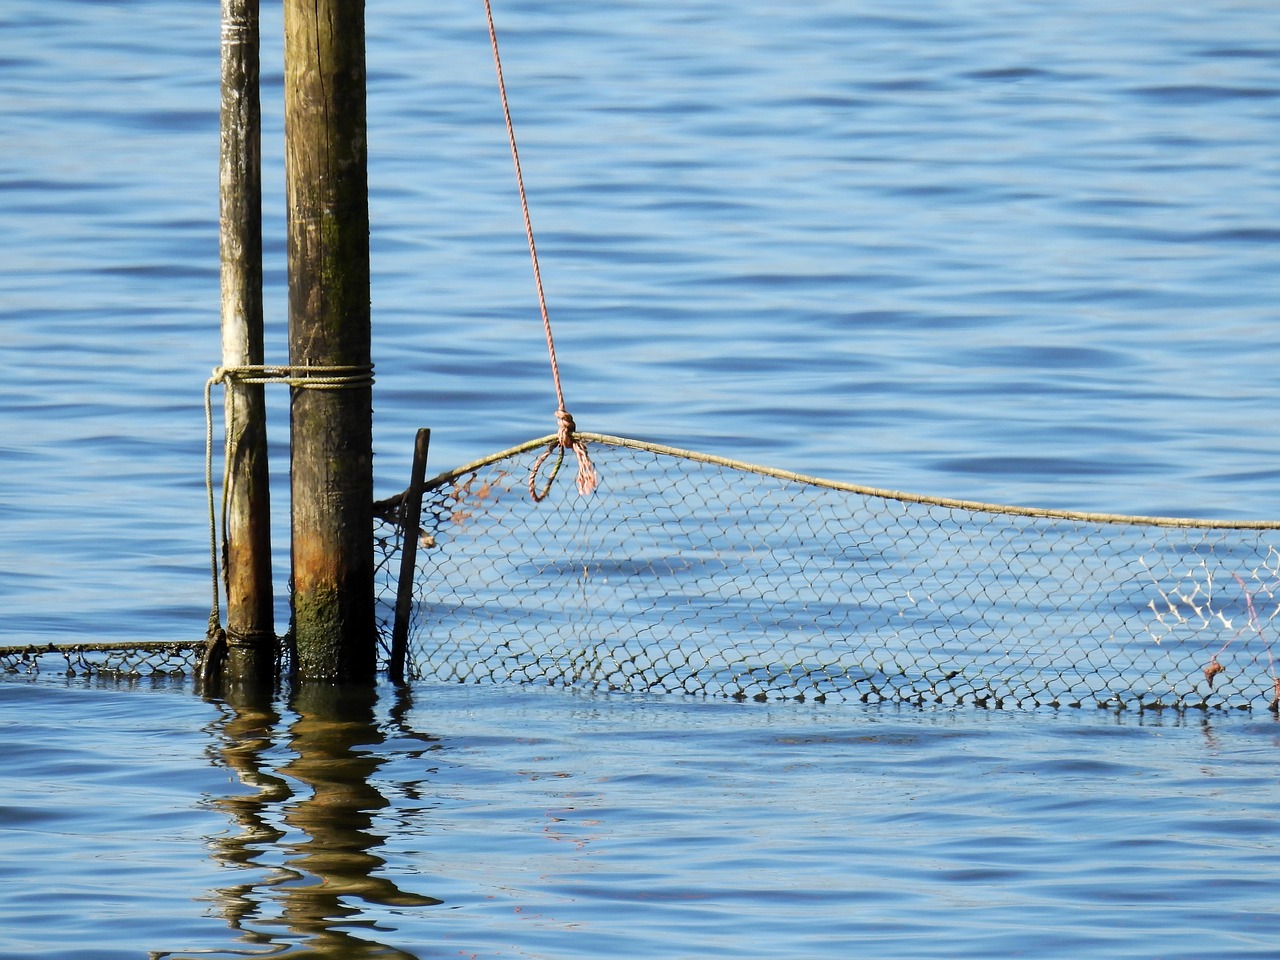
(247, 559)
(410, 521)
(328, 252)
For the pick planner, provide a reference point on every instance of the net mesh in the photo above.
(690, 574)
(113, 660)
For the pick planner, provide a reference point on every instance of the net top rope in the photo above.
(566, 436)
(974, 506)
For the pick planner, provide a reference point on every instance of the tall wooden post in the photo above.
(329, 326)
(247, 560)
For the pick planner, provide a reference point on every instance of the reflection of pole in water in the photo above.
(333, 724)
(315, 813)
(248, 733)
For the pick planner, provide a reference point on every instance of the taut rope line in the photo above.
(565, 438)
(302, 377)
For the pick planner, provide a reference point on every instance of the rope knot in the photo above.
(587, 480)
(567, 427)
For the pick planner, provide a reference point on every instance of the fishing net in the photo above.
(685, 573)
(110, 660)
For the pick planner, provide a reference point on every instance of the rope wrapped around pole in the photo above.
(299, 378)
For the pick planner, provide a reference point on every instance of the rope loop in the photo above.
(566, 439)
(556, 448)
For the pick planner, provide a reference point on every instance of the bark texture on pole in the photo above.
(247, 559)
(328, 252)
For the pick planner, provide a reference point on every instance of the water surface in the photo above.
(990, 251)
(482, 822)
(1004, 251)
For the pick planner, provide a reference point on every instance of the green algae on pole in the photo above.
(329, 326)
(250, 631)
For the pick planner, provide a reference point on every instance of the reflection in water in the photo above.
(311, 812)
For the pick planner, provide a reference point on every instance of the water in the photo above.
(1005, 251)
(529, 823)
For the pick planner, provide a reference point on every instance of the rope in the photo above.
(974, 506)
(565, 438)
(308, 378)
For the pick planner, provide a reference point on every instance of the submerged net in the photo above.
(691, 574)
(108, 660)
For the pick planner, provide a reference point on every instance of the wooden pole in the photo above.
(250, 628)
(410, 521)
(329, 326)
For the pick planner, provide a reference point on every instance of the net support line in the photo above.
(975, 506)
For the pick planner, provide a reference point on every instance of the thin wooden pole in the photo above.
(329, 326)
(250, 628)
(410, 520)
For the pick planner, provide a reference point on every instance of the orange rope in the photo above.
(565, 439)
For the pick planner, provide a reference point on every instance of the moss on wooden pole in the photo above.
(329, 326)
(250, 628)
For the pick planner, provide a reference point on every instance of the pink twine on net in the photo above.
(565, 440)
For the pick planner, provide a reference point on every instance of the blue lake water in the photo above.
(517, 822)
(1006, 251)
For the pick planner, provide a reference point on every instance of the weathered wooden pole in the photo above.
(250, 627)
(329, 327)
